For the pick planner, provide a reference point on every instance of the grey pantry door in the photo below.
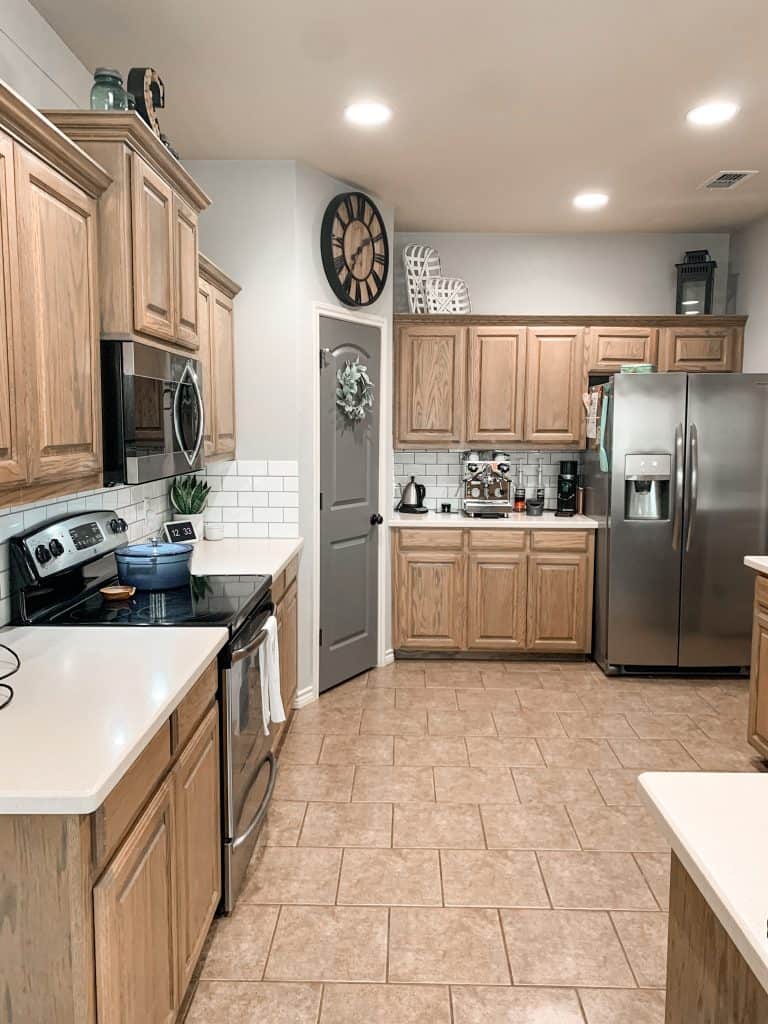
(349, 486)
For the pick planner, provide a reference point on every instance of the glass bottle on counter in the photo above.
(519, 505)
(107, 92)
(540, 484)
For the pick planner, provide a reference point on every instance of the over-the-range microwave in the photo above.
(152, 413)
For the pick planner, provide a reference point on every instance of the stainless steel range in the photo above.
(487, 487)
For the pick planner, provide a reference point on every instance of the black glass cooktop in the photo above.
(205, 601)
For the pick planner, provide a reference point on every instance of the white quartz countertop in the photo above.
(244, 557)
(87, 701)
(757, 562)
(717, 824)
(516, 521)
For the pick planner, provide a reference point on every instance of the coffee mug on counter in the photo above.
(214, 531)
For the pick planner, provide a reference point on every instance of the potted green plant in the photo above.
(189, 496)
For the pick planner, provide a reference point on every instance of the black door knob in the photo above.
(376, 519)
(56, 548)
(42, 554)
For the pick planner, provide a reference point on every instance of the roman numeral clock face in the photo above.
(354, 247)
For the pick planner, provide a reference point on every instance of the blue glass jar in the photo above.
(107, 92)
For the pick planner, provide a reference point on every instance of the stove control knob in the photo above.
(504, 467)
(56, 548)
(42, 554)
(118, 525)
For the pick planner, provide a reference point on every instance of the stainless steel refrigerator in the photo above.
(681, 498)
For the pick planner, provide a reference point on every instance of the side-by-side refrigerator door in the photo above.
(647, 464)
(726, 515)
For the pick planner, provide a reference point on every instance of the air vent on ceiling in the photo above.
(727, 179)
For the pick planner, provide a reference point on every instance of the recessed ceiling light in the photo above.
(590, 200)
(368, 115)
(717, 112)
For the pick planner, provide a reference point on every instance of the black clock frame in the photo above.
(326, 248)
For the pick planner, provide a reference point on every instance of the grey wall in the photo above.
(567, 274)
(35, 62)
(749, 269)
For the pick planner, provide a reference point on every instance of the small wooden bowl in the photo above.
(117, 592)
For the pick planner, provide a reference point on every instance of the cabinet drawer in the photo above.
(496, 540)
(191, 710)
(430, 540)
(111, 821)
(761, 590)
(560, 540)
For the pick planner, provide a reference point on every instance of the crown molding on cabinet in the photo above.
(30, 128)
(129, 128)
(472, 320)
(216, 276)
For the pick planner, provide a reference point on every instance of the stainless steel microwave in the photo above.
(152, 413)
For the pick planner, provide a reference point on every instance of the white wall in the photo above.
(35, 62)
(567, 274)
(749, 268)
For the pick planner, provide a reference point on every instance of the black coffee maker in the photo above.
(567, 482)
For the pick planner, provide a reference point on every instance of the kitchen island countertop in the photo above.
(757, 562)
(515, 521)
(240, 556)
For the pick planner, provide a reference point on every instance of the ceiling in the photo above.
(503, 109)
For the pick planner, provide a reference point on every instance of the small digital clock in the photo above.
(180, 531)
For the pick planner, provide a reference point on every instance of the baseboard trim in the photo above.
(304, 697)
(389, 657)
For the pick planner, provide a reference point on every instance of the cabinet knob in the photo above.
(376, 519)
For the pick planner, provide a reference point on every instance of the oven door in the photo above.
(163, 414)
(250, 768)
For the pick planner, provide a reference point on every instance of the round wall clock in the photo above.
(355, 250)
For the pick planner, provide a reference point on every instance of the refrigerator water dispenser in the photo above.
(647, 477)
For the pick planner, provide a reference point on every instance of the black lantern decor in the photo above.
(695, 283)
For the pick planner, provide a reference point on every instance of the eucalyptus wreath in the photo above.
(354, 390)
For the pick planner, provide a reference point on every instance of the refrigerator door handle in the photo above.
(693, 481)
(677, 518)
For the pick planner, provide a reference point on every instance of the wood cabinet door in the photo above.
(558, 602)
(430, 600)
(609, 348)
(757, 730)
(223, 363)
(554, 383)
(197, 842)
(134, 907)
(59, 322)
(205, 355)
(495, 385)
(429, 405)
(288, 638)
(185, 251)
(701, 349)
(13, 450)
(154, 272)
(496, 598)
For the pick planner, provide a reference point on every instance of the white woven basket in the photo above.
(447, 295)
(420, 262)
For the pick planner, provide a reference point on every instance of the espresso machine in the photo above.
(486, 484)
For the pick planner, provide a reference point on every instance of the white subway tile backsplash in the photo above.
(283, 498)
(253, 530)
(284, 467)
(290, 483)
(239, 515)
(237, 483)
(267, 483)
(251, 467)
(290, 515)
(253, 498)
(270, 515)
(283, 530)
(257, 498)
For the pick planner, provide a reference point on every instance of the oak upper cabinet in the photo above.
(13, 450)
(134, 907)
(217, 293)
(58, 325)
(495, 385)
(154, 287)
(205, 355)
(496, 599)
(430, 379)
(197, 842)
(701, 348)
(757, 730)
(609, 348)
(148, 239)
(430, 590)
(555, 380)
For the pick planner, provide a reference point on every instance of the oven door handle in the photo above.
(189, 374)
(249, 648)
(262, 810)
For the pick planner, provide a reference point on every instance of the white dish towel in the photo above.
(269, 666)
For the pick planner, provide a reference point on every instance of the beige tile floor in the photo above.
(464, 844)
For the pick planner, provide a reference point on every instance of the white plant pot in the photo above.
(197, 521)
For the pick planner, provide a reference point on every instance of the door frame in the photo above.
(322, 309)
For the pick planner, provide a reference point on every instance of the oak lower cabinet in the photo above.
(430, 377)
(216, 296)
(493, 590)
(134, 909)
(287, 612)
(757, 728)
(701, 349)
